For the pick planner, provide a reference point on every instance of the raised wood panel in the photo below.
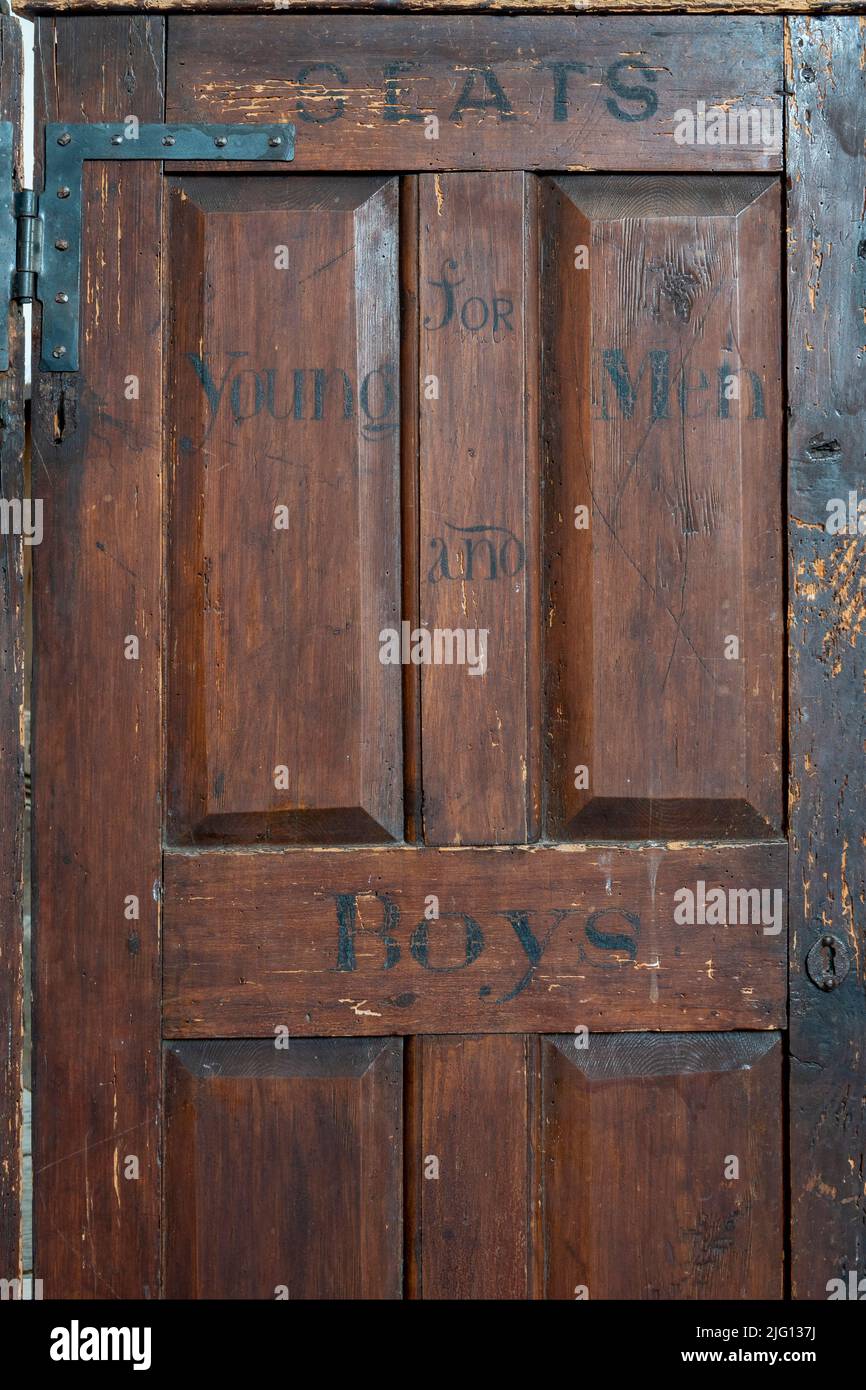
(284, 528)
(638, 1198)
(97, 758)
(827, 651)
(478, 465)
(508, 93)
(470, 1161)
(662, 413)
(337, 942)
(284, 1169)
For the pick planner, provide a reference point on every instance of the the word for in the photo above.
(474, 311)
(716, 908)
(438, 646)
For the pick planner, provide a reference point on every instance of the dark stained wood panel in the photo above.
(284, 1169)
(470, 1157)
(827, 648)
(663, 418)
(640, 1138)
(284, 533)
(97, 762)
(11, 731)
(344, 942)
(515, 93)
(478, 466)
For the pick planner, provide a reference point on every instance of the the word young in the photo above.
(738, 906)
(238, 390)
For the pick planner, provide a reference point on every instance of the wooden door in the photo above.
(411, 842)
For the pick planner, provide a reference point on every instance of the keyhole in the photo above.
(828, 956)
(828, 962)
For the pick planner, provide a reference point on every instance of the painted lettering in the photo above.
(472, 312)
(496, 558)
(296, 394)
(482, 90)
(618, 389)
(490, 96)
(645, 95)
(317, 93)
(455, 940)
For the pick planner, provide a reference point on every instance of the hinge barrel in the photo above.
(28, 246)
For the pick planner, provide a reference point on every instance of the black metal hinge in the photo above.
(40, 234)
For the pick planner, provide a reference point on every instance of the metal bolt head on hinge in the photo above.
(828, 962)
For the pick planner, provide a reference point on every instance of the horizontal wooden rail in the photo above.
(406, 940)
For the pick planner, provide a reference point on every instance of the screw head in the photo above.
(61, 245)
(59, 352)
(221, 141)
(65, 138)
(275, 140)
(63, 192)
(117, 139)
(61, 297)
(168, 139)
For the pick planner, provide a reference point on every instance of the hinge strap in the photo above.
(40, 234)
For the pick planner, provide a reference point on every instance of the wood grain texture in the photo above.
(471, 1160)
(96, 748)
(638, 1133)
(335, 942)
(524, 93)
(826, 296)
(284, 529)
(284, 1169)
(661, 298)
(478, 466)
(534, 7)
(410, 498)
(11, 735)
